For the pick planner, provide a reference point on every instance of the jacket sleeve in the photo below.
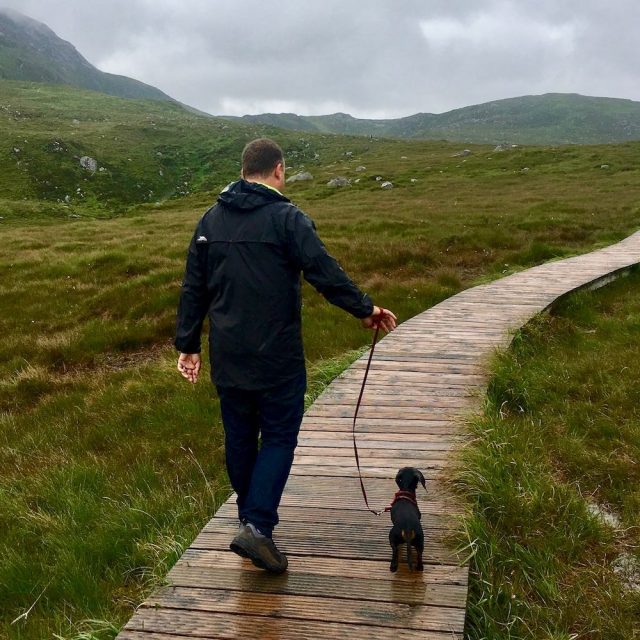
(194, 300)
(322, 270)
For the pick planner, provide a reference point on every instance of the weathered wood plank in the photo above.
(200, 624)
(421, 590)
(324, 609)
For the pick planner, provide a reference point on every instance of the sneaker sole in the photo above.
(258, 562)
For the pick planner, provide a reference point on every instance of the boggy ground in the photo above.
(109, 462)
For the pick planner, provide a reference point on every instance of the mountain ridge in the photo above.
(31, 51)
(551, 118)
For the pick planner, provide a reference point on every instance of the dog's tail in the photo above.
(408, 537)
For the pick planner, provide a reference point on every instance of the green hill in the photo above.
(31, 51)
(553, 118)
(67, 149)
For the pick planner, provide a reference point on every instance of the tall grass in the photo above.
(554, 457)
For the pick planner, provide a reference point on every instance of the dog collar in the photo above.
(403, 495)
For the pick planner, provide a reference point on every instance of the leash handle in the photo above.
(377, 322)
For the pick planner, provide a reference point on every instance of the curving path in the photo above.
(425, 378)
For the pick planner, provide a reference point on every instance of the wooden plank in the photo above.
(329, 515)
(200, 624)
(419, 588)
(372, 570)
(296, 607)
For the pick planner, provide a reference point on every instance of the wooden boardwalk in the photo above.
(426, 376)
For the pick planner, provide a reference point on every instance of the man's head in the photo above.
(263, 161)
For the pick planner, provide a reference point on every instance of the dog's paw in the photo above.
(393, 567)
(420, 567)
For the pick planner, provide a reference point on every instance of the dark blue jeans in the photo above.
(258, 474)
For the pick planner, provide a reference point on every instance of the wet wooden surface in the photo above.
(425, 378)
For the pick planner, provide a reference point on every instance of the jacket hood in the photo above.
(249, 195)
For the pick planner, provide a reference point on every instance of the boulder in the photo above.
(361, 168)
(462, 154)
(386, 185)
(300, 177)
(89, 163)
(339, 181)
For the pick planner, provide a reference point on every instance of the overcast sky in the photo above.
(376, 58)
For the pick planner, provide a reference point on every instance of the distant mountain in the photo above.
(553, 118)
(31, 51)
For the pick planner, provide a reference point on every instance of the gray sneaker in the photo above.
(250, 543)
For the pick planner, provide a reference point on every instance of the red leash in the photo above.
(355, 416)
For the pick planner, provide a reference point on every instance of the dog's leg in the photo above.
(420, 550)
(409, 538)
(394, 558)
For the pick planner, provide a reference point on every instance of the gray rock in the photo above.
(300, 177)
(73, 215)
(627, 568)
(89, 163)
(361, 168)
(501, 147)
(403, 158)
(67, 199)
(604, 166)
(378, 178)
(386, 185)
(607, 517)
(349, 154)
(414, 180)
(339, 181)
(462, 154)
(525, 170)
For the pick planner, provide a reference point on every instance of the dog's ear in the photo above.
(421, 479)
(398, 477)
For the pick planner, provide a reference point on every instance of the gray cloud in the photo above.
(382, 59)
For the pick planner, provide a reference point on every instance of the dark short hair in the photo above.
(260, 157)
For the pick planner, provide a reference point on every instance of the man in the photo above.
(243, 269)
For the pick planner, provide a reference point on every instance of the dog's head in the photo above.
(408, 477)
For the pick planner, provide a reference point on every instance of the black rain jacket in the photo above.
(243, 268)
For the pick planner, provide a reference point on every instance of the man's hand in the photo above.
(189, 366)
(383, 317)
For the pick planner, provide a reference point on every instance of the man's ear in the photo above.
(278, 172)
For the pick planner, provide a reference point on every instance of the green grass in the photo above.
(561, 430)
(109, 462)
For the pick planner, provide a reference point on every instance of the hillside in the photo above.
(31, 51)
(553, 118)
(145, 151)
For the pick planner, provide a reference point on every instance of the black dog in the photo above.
(405, 516)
